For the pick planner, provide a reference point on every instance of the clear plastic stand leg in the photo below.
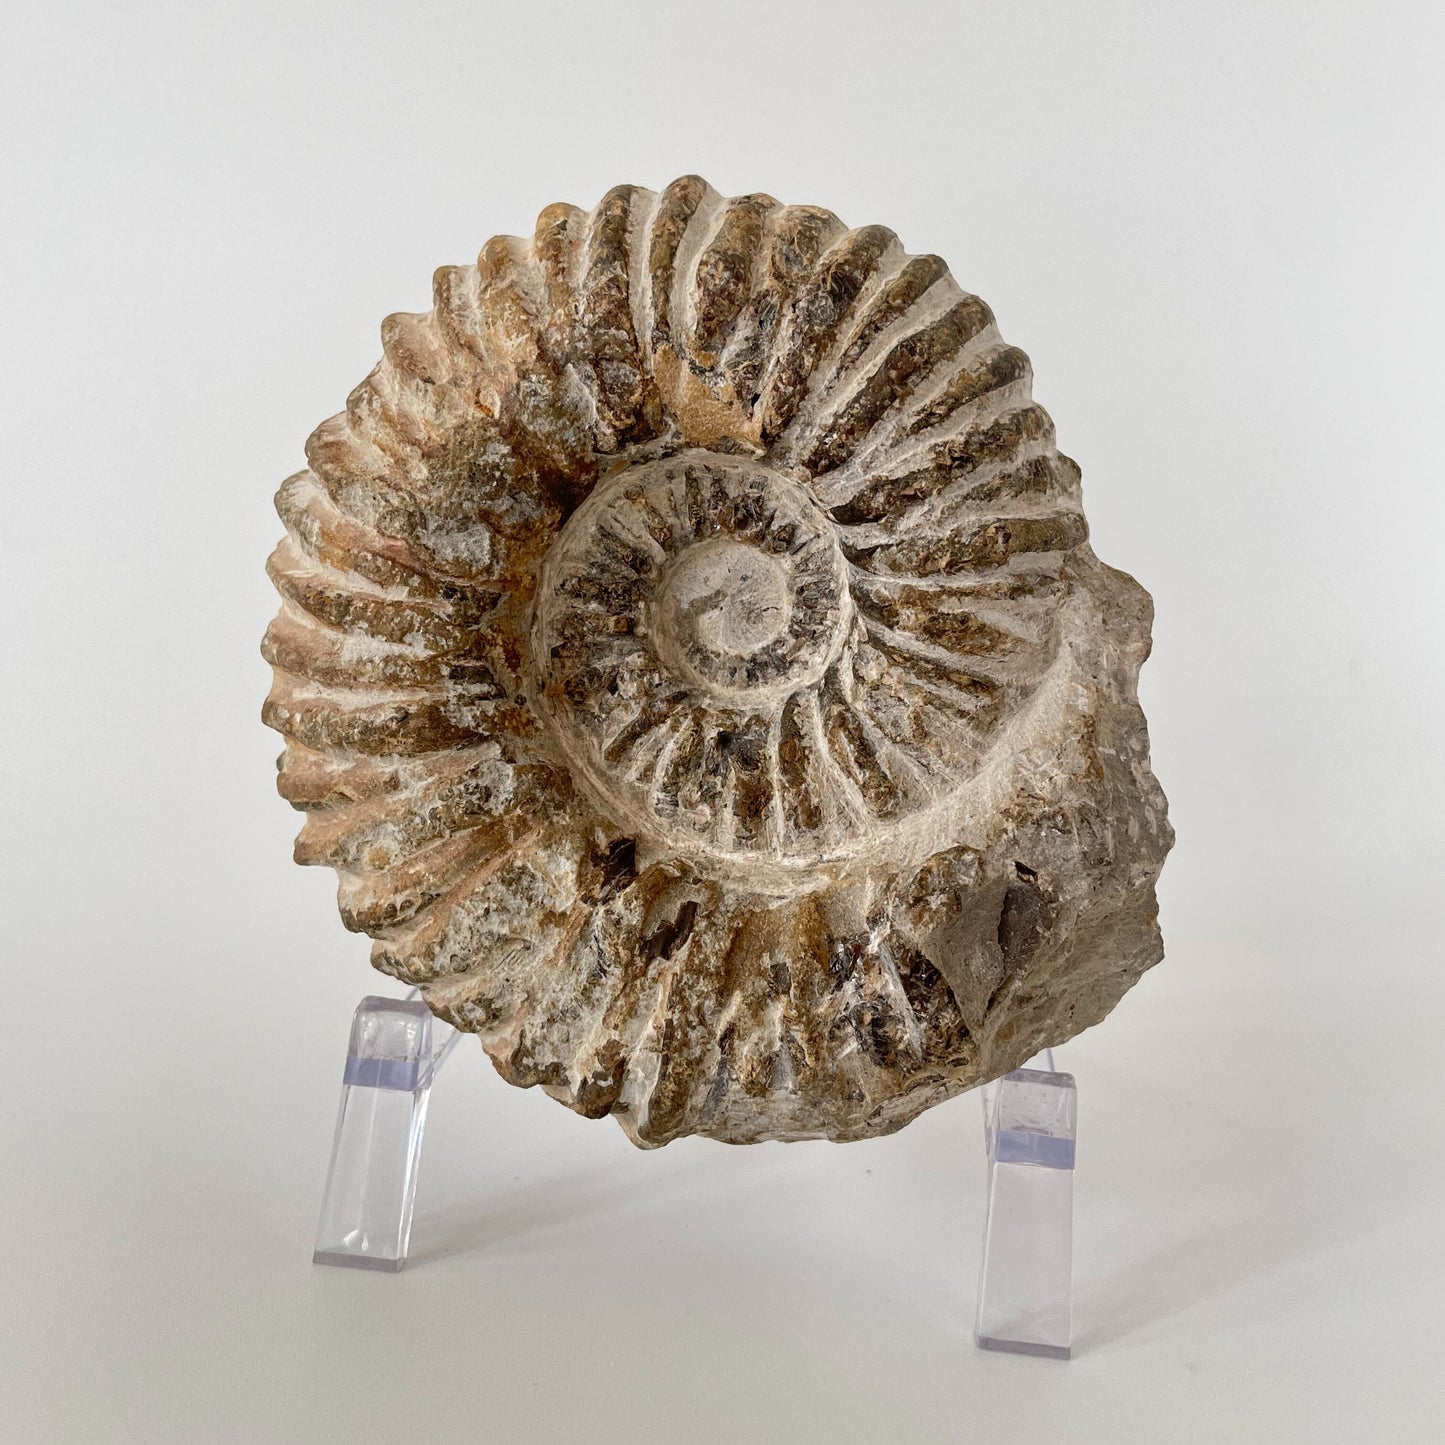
(1024, 1293)
(396, 1048)
(1025, 1287)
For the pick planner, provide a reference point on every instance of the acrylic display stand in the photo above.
(1024, 1289)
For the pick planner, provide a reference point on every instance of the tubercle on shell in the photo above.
(692, 661)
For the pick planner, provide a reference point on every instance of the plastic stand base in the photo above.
(1025, 1288)
(1025, 1295)
(396, 1048)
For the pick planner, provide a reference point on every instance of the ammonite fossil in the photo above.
(693, 663)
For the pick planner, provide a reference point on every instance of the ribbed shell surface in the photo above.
(693, 664)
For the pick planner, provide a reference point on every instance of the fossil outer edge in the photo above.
(692, 661)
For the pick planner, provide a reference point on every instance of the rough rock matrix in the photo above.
(692, 661)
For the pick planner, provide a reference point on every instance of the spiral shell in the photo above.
(693, 664)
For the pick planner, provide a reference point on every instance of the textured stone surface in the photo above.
(693, 663)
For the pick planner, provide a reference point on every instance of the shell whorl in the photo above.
(695, 562)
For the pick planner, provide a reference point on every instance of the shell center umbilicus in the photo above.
(682, 608)
(724, 600)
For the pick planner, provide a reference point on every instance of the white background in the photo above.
(1217, 229)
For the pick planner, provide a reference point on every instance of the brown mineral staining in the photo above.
(692, 662)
